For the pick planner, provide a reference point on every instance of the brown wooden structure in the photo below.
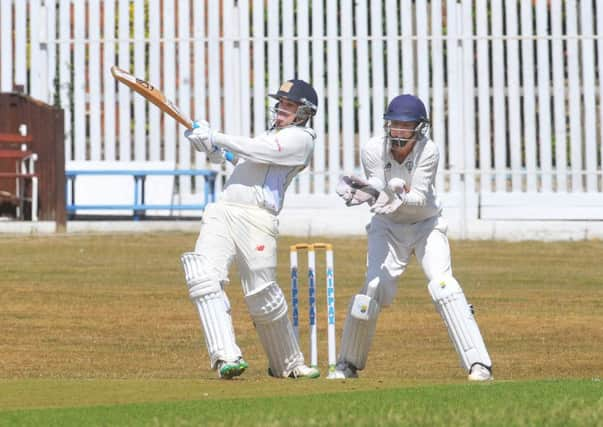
(45, 136)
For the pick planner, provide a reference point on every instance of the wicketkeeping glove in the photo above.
(355, 191)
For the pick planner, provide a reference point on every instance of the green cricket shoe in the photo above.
(229, 370)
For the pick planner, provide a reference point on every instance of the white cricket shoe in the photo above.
(303, 371)
(343, 370)
(479, 372)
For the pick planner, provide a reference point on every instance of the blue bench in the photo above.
(138, 204)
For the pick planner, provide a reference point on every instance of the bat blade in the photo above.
(152, 94)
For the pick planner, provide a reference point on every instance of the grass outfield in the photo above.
(554, 403)
(98, 330)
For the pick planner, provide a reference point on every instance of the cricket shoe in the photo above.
(301, 371)
(343, 370)
(229, 370)
(480, 372)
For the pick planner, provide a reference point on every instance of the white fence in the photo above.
(512, 86)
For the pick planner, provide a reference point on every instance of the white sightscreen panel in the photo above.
(79, 82)
(65, 72)
(600, 66)
(362, 67)
(574, 96)
(560, 122)
(529, 107)
(169, 82)
(437, 112)
(51, 28)
(544, 120)
(455, 100)
(407, 52)
(184, 91)
(231, 88)
(392, 49)
(303, 70)
(468, 138)
(513, 105)
(37, 56)
(140, 117)
(124, 92)
(483, 87)
(109, 124)
(94, 79)
(245, 67)
(333, 94)
(274, 79)
(214, 73)
(588, 79)
(259, 71)
(319, 163)
(287, 24)
(377, 67)
(348, 90)
(20, 57)
(6, 45)
(423, 54)
(200, 91)
(499, 98)
(155, 78)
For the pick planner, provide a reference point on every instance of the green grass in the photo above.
(541, 403)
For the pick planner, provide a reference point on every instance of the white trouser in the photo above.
(391, 245)
(247, 235)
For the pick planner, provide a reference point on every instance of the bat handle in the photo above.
(229, 156)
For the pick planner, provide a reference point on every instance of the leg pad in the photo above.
(214, 311)
(457, 314)
(268, 308)
(358, 330)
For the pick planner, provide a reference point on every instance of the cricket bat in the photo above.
(152, 94)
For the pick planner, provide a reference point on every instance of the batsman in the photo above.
(400, 168)
(243, 227)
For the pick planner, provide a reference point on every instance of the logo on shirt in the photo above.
(278, 145)
(259, 248)
(409, 166)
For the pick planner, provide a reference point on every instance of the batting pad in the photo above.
(214, 311)
(457, 314)
(358, 331)
(268, 308)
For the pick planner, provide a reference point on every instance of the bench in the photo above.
(13, 150)
(138, 203)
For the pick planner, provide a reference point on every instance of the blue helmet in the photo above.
(406, 108)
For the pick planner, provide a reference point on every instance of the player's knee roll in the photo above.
(363, 307)
(266, 304)
(443, 286)
(198, 281)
